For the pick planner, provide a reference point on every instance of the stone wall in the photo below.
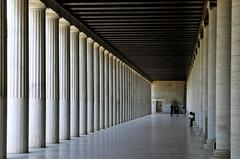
(166, 91)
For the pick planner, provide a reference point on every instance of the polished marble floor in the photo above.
(156, 136)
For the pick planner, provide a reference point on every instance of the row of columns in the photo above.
(60, 82)
(57, 83)
(216, 71)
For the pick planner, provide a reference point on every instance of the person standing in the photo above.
(172, 109)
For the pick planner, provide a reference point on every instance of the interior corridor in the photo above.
(156, 136)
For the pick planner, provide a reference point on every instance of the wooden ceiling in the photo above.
(157, 36)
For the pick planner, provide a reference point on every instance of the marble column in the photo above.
(17, 77)
(223, 73)
(126, 92)
(117, 92)
(114, 92)
(235, 81)
(131, 93)
(74, 81)
(120, 92)
(106, 86)
(37, 85)
(83, 82)
(90, 88)
(96, 86)
(123, 93)
(110, 89)
(3, 78)
(200, 89)
(205, 81)
(102, 88)
(64, 80)
(212, 78)
(52, 77)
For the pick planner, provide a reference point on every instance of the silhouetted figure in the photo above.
(172, 109)
(176, 109)
(192, 118)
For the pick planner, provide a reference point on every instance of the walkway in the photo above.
(156, 136)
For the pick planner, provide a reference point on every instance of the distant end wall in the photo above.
(166, 91)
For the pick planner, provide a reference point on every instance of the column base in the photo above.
(209, 144)
(52, 121)
(37, 123)
(221, 154)
(17, 129)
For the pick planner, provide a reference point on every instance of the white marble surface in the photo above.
(156, 136)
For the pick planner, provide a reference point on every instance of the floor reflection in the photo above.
(157, 136)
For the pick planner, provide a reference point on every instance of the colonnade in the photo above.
(213, 84)
(57, 83)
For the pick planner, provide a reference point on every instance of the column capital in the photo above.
(101, 48)
(73, 29)
(114, 57)
(110, 55)
(90, 40)
(63, 22)
(106, 52)
(36, 4)
(51, 13)
(82, 35)
(96, 44)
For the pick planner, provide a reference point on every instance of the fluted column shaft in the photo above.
(52, 77)
(106, 87)
(17, 68)
(131, 94)
(64, 80)
(96, 87)
(102, 88)
(114, 92)
(83, 82)
(117, 91)
(223, 71)
(3, 78)
(235, 81)
(74, 81)
(123, 93)
(205, 80)
(110, 89)
(212, 77)
(90, 88)
(200, 81)
(120, 92)
(126, 91)
(37, 85)
(197, 87)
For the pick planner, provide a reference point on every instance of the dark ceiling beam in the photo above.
(142, 19)
(185, 8)
(135, 28)
(137, 16)
(146, 33)
(135, 12)
(159, 23)
(151, 38)
(142, 28)
(154, 40)
(106, 3)
(169, 26)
